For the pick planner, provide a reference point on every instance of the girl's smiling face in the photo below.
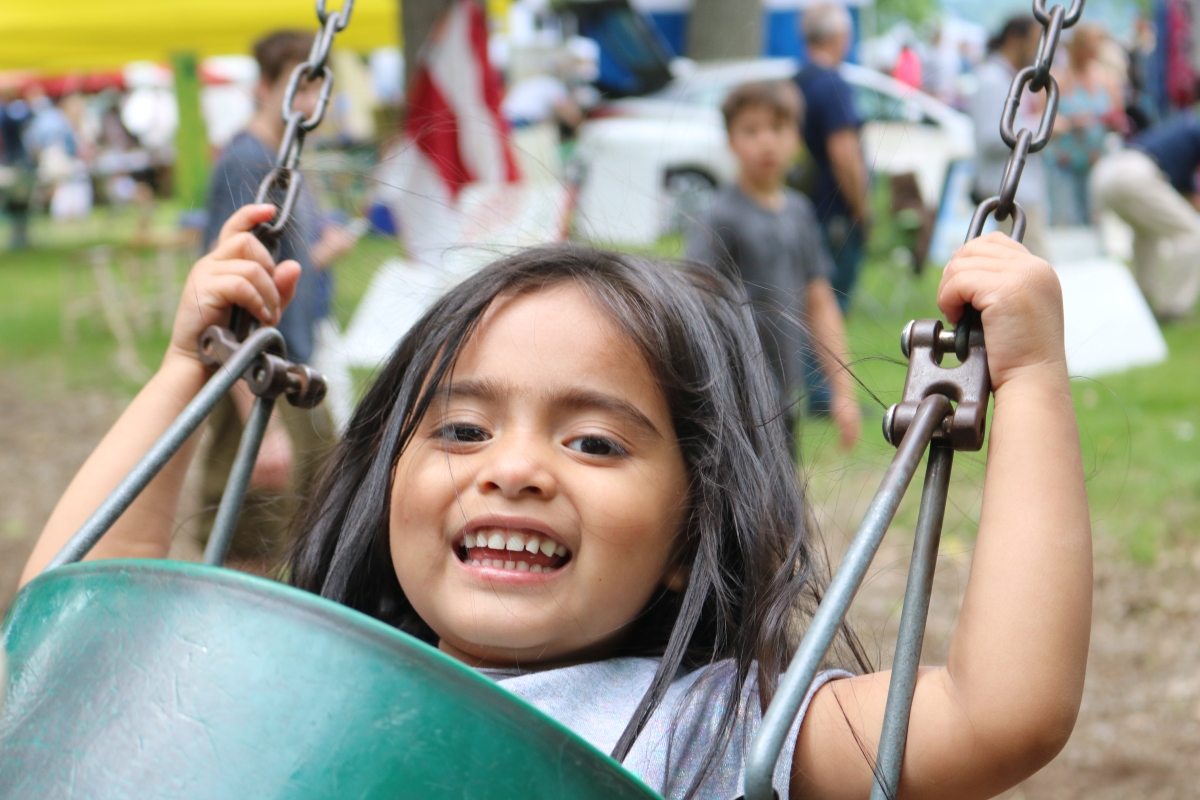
(537, 508)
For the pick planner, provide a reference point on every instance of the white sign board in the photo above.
(1109, 326)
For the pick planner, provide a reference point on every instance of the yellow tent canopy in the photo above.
(57, 36)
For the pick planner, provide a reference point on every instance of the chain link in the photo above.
(281, 186)
(1037, 78)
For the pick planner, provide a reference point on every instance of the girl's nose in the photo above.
(516, 468)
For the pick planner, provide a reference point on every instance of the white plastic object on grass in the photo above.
(1109, 326)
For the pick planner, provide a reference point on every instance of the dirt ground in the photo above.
(1138, 735)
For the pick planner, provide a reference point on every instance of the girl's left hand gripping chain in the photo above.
(239, 271)
(1020, 301)
(1007, 698)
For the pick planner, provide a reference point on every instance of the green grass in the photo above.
(1139, 429)
(353, 274)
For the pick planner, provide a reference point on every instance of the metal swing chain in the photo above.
(943, 409)
(273, 375)
(242, 350)
(284, 181)
(925, 342)
(1023, 142)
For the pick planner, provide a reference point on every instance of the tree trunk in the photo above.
(416, 21)
(725, 29)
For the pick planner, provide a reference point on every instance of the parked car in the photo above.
(648, 162)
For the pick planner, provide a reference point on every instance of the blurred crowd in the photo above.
(1116, 148)
(1125, 145)
(70, 143)
(67, 145)
(66, 152)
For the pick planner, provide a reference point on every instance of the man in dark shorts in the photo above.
(767, 235)
(297, 440)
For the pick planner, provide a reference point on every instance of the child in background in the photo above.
(570, 476)
(767, 234)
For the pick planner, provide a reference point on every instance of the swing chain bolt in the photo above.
(270, 375)
(968, 384)
(906, 338)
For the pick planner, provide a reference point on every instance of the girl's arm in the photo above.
(239, 271)
(829, 337)
(1006, 702)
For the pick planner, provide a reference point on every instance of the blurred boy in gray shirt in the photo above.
(766, 234)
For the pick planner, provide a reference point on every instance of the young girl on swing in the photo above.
(571, 475)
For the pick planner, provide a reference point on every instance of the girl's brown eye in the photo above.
(462, 434)
(596, 446)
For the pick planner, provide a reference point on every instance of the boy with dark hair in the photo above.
(767, 234)
(297, 440)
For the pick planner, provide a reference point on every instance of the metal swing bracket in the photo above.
(270, 375)
(925, 343)
(931, 423)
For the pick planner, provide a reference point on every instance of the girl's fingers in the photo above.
(244, 246)
(995, 244)
(236, 290)
(966, 286)
(256, 275)
(245, 218)
(987, 258)
(286, 276)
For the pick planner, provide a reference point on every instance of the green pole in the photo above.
(191, 139)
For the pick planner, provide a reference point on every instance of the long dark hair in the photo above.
(754, 578)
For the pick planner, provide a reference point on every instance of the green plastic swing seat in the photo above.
(157, 679)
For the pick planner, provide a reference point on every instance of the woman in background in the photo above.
(1090, 107)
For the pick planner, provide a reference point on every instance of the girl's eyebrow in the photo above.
(575, 398)
(580, 399)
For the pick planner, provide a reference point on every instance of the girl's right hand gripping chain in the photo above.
(239, 271)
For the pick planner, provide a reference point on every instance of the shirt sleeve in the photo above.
(818, 263)
(711, 242)
(782, 779)
(837, 100)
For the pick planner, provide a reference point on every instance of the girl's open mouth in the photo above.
(516, 551)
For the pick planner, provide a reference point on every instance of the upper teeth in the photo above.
(514, 541)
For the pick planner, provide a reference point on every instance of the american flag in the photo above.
(454, 118)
